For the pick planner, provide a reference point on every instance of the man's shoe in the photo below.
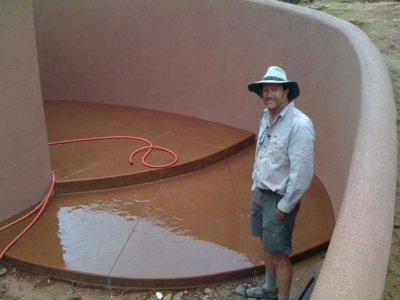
(256, 292)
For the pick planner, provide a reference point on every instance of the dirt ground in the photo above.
(381, 21)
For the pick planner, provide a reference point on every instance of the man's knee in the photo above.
(280, 259)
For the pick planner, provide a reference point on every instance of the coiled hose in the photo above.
(41, 206)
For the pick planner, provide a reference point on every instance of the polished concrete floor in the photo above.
(116, 224)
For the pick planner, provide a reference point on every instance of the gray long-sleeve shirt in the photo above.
(284, 161)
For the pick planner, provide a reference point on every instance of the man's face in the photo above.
(275, 97)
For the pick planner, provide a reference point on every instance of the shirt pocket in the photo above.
(277, 150)
(272, 222)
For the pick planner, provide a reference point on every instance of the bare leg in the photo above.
(284, 273)
(269, 264)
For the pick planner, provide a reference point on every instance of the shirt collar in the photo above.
(284, 111)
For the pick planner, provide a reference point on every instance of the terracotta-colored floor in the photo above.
(114, 224)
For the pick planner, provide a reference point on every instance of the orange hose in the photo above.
(148, 152)
(149, 146)
(41, 206)
(23, 217)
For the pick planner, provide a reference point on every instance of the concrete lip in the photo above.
(181, 231)
(98, 165)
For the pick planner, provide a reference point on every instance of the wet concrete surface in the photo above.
(184, 230)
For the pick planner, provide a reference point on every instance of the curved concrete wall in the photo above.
(197, 57)
(25, 167)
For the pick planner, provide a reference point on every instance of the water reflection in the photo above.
(155, 252)
(136, 240)
(90, 239)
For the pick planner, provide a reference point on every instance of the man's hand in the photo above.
(280, 214)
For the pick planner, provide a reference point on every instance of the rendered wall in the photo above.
(25, 168)
(197, 57)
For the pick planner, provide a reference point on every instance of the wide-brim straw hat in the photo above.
(275, 75)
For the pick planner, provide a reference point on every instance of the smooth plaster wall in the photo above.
(197, 57)
(25, 167)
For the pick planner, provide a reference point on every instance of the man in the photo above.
(283, 170)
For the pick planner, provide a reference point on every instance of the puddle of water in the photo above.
(136, 239)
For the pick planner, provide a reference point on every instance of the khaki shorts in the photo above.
(276, 234)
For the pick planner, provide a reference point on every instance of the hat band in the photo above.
(273, 78)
